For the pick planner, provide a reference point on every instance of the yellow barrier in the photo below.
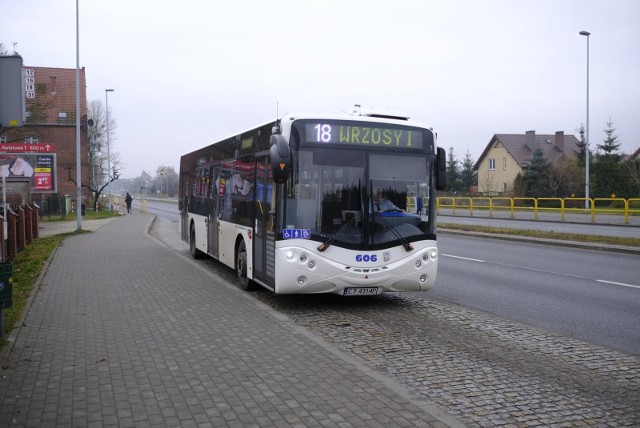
(633, 202)
(482, 203)
(524, 207)
(143, 205)
(550, 209)
(560, 205)
(116, 205)
(501, 203)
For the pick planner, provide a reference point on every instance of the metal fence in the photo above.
(593, 210)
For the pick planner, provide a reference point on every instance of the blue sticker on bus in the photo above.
(296, 233)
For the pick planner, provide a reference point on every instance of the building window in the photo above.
(492, 164)
(504, 163)
(31, 140)
(52, 85)
(504, 187)
(3, 139)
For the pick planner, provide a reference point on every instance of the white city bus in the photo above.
(290, 204)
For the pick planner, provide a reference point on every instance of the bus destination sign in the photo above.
(369, 136)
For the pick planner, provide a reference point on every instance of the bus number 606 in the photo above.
(366, 258)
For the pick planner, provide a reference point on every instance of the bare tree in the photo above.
(99, 174)
(564, 178)
(98, 150)
(486, 183)
(166, 180)
(631, 169)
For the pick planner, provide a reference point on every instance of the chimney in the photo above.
(560, 141)
(530, 140)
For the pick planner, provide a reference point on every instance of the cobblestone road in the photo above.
(486, 370)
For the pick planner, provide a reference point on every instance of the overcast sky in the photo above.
(187, 73)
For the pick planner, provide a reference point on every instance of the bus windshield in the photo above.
(359, 199)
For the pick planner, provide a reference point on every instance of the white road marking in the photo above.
(463, 258)
(618, 283)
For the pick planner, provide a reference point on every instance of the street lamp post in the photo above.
(78, 149)
(161, 175)
(586, 143)
(106, 96)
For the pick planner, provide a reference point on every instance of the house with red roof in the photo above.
(507, 155)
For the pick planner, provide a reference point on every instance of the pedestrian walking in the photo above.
(128, 200)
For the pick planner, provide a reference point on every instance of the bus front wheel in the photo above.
(195, 253)
(244, 283)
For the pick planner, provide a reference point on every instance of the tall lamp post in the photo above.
(161, 175)
(106, 96)
(78, 150)
(586, 143)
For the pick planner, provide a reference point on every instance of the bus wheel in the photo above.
(195, 253)
(244, 283)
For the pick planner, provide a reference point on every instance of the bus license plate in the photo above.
(360, 291)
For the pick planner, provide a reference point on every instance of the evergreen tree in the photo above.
(609, 178)
(519, 189)
(610, 144)
(468, 177)
(453, 172)
(537, 175)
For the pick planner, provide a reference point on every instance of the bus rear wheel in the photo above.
(244, 283)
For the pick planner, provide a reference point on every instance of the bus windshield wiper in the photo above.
(329, 241)
(407, 246)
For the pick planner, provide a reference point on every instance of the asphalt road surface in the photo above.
(591, 295)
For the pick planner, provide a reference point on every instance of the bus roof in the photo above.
(360, 114)
(366, 115)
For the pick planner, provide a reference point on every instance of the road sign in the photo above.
(12, 107)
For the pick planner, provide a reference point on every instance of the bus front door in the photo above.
(264, 236)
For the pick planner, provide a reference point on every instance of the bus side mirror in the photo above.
(441, 169)
(280, 158)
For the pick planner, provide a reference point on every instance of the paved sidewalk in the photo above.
(123, 331)
(58, 227)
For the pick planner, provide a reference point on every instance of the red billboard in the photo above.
(39, 168)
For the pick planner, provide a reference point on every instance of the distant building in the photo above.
(506, 155)
(633, 156)
(47, 142)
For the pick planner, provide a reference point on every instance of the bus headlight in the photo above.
(302, 279)
(289, 255)
(418, 263)
(303, 258)
(311, 264)
(423, 278)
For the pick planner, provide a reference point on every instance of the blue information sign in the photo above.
(296, 233)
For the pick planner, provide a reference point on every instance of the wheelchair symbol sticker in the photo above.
(296, 233)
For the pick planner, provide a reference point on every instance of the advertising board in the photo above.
(35, 162)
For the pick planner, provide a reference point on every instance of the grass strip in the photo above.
(560, 236)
